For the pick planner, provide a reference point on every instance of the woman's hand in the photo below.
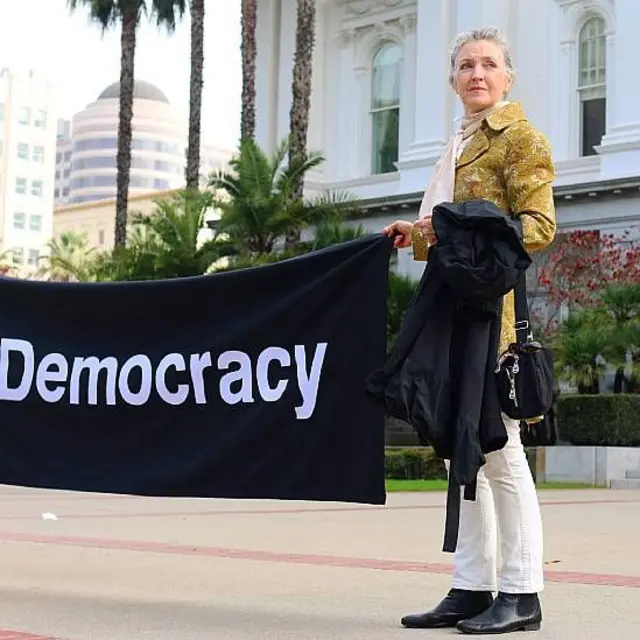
(425, 228)
(401, 231)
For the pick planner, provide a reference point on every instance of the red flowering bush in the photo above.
(597, 278)
(584, 263)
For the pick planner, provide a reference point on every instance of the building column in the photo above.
(620, 148)
(345, 114)
(430, 133)
(408, 96)
(430, 104)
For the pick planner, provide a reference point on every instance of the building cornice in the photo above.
(580, 192)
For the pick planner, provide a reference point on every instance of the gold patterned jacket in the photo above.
(509, 163)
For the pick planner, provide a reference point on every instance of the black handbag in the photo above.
(524, 373)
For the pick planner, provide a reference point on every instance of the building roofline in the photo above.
(95, 204)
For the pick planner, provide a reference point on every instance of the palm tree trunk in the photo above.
(301, 96)
(127, 59)
(195, 98)
(249, 51)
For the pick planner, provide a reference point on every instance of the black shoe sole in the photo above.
(530, 626)
(441, 625)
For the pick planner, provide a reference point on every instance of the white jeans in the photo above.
(506, 502)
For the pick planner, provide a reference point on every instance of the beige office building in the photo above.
(96, 220)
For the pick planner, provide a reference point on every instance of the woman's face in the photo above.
(480, 78)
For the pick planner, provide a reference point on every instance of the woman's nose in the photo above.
(478, 72)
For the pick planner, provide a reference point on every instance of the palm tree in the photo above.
(169, 243)
(69, 258)
(127, 13)
(192, 173)
(256, 205)
(249, 51)
(301, 93)
(7, 268)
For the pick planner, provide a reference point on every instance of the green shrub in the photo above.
(415, 463)
(420, 463)
(605, 420)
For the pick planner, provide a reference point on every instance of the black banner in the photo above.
(245, 384)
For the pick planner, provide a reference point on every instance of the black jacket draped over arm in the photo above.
(439, 376)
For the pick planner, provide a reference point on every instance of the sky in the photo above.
(44, 36)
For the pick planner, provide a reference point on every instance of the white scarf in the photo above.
(442, 182)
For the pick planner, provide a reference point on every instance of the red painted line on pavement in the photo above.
(291, 510)
(6, 634)
(379, 564)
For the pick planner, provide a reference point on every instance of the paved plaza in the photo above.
(121, 567)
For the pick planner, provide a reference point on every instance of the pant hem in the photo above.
(475, 587)
(522, 590)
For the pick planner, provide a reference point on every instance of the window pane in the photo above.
(34, 254)
(593, 124)
(18, 220)
(18, 255)
(38, 154)
(23, 151)
(385, 125)
(21, 185)
(592, 53)
(35, 223)
(385, 90)
(40, 119)
(24, 115)
(36, 188)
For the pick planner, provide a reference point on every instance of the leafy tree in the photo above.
(249, 53)
(583, 263)
(301, 96)
(579, 347)
(69, 258)
(7, 268)
(254, 197)
(192, 173)
(399, 294)
(127, 14)
(168, 243)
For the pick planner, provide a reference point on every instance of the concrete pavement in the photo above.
(121, 567)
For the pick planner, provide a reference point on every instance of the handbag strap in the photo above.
(523, 325)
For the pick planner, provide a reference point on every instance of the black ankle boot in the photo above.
(509, 612)
(457, 605)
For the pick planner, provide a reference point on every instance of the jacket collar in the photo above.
(504, 118)
(498, 121)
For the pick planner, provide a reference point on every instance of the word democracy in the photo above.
(55, 377)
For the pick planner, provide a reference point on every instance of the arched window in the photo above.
(592, 84)
(385, 108)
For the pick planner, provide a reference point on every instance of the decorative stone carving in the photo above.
(347, 37)
(359, 8)
(409, 22)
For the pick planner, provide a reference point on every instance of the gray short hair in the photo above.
(491, 34)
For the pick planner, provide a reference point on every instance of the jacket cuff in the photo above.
(420, 245)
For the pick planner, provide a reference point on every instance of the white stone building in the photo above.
(28, 106)
(382, 107)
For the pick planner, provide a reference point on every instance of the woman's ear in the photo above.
(509, 84)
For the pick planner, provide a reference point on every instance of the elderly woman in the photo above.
(496, 155)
